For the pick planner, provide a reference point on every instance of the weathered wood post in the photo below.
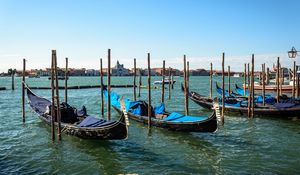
(264, 83)
(13, 79)
(294, 79)
(249, 92)
(282, 75)
(134, 79)
(149, 93)
(280, 80)
(252, 87)
(66, 82)
(163, 83)
(229, 90)
(187, 83)
(268, 76)
(245, 76)
(58, 116)
(140, 83)
(172, 77)
(223, 91)
(186, 109)
(277, 80)
(23, 90)
(101, 88)
(297, 84)
(210, 80)
(108, 86)
(53, 98)
(170, 83)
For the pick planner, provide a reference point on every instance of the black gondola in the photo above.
(79, 123)
(282, 110)
(178, 123)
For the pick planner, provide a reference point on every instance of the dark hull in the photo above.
(207, 102)
(115, 131)
(209, 125)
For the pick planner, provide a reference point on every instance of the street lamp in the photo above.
(292, 53)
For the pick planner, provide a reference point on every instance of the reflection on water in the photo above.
(242, 146)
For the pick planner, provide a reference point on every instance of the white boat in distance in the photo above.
(167, 81)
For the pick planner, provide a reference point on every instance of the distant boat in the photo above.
(33, 76)
(60, 78)
(167, 81)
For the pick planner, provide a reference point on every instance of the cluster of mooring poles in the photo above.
(248, 86)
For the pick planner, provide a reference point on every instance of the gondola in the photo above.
(284, 109)
(226, 93)
(241, 91)
(79, 123)
(174, 121)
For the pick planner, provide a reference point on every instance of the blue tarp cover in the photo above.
(219, 90)
(241, 92)
(284, 105)
(176, 117)
(136, 108)
(160, 109)
(91, 121)
(268, 99)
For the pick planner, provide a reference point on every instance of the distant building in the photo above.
(77, 72)
(119, 70)
(199, 72)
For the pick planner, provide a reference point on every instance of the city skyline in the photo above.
(83, 31)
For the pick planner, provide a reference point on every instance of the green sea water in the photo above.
(242, 146)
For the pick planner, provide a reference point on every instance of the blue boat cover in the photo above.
(268, 99)
(219, 90)
(140, 108)
(176, 117)
(240, 91)
(91, 121)
(284, 105)
(160, 109)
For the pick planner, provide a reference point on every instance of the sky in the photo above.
(83, 31)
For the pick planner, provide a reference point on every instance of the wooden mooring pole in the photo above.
(229, 90)
(252, 87)
(58, 116)
(149, 93)
(170, 83)
(297, 84)
(249, 92)
(53, 98)
(210, 80)
(172, 77)
(13, 79)
(108, 86)
(280, 80)
(186, 109)
(268, 76)
(294, 79)
(66, 82)
(264, 82)
(223, 91)
(163, 83)
(134, 79)
(277, 80)
(245, 76)
(140, 83)
(23, 90)
(101, 88)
